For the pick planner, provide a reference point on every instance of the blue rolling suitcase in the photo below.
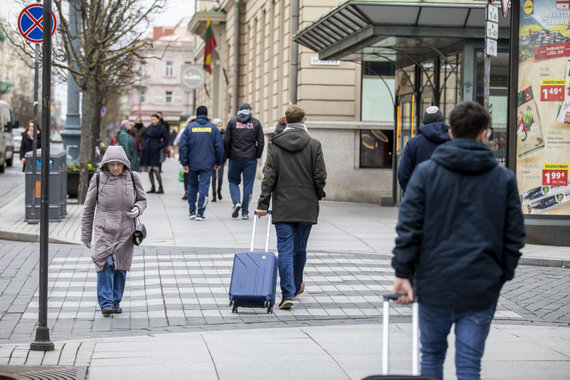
(254, 275)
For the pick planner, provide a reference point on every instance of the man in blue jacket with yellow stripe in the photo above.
(201, 150)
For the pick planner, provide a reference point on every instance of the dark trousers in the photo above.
(217, 179)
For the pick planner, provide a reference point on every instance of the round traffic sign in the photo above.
(192, 76)
(31, 23)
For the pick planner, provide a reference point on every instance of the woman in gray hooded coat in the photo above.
(117, 206)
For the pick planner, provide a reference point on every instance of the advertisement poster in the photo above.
(543, 107)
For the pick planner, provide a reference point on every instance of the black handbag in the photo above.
(140, 232)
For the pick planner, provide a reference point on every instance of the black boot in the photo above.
(185, 196)
(220, 194)
(152, 190)
(214, 197)
(160, 190)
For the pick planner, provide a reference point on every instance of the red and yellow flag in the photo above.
(210, 45)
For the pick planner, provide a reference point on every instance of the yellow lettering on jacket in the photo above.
(202, 129)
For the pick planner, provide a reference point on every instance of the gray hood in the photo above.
(115, 153)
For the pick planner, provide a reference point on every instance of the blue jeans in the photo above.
(292, 248)
(471, 330)
(110, 284)
(235, 170)
(198, 182)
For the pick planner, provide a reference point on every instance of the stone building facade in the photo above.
(330, 92)
(159, 88)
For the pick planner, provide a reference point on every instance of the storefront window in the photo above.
(376, 148)
(378, 84)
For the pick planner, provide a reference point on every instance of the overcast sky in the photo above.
(174, 12)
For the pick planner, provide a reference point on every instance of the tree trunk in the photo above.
(90, 120)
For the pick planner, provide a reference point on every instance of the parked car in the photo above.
(6, 138)
(17, 136)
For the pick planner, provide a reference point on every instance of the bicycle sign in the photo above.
(31, 23)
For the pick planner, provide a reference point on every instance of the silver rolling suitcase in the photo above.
(386, 344)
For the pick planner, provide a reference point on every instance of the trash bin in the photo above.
(57, 186)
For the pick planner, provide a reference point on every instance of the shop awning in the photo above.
(434, 26)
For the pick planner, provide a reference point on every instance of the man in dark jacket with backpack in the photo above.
(460, 231)
(201, 151)
(294, 176)
(243, 143)
(419, 149)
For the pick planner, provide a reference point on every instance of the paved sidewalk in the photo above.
(343, 227)
(176, 322)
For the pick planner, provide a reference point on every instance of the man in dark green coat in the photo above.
(127, 141)
(295, 176)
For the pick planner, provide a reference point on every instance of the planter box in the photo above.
(73, 183)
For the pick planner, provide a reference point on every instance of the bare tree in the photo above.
(112, 48)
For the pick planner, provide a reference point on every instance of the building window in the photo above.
(141, 95)
(168, 97)
(169, 68)
(376, 148)
(378, 88)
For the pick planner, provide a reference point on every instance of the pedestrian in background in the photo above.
(201, 151)
(177, 143)
(420, 148)
(128, 142)
(164, 150)
(138, 132)
(460, 231)
(243, 143)
(218, 175)
(155, 138)
(281, 124)
(27, 143)
(113, 201)
(294, 176)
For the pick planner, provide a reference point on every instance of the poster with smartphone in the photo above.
(543, 107)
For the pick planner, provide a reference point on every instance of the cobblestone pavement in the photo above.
(185, 289)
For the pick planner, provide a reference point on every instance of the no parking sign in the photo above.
(31, 23)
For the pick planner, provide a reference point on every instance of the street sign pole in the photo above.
(42, 341)
(491, 36)
(33, 218)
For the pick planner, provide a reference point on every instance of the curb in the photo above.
(544, 262)
(30, 238)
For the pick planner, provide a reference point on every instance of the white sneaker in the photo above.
(236, 209)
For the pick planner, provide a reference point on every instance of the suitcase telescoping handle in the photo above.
(268, 228)
(386, 335)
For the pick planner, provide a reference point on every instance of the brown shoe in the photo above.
(286, 304)
(301, 289)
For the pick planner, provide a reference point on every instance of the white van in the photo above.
(6, 138)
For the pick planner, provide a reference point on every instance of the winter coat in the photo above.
(155, 138)
(460, 228)
(129, 145)
(139, 131)
(243, 140)
(201, 146)
(27, 144)
(295, 176)
(420, 149)
(113, 228)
